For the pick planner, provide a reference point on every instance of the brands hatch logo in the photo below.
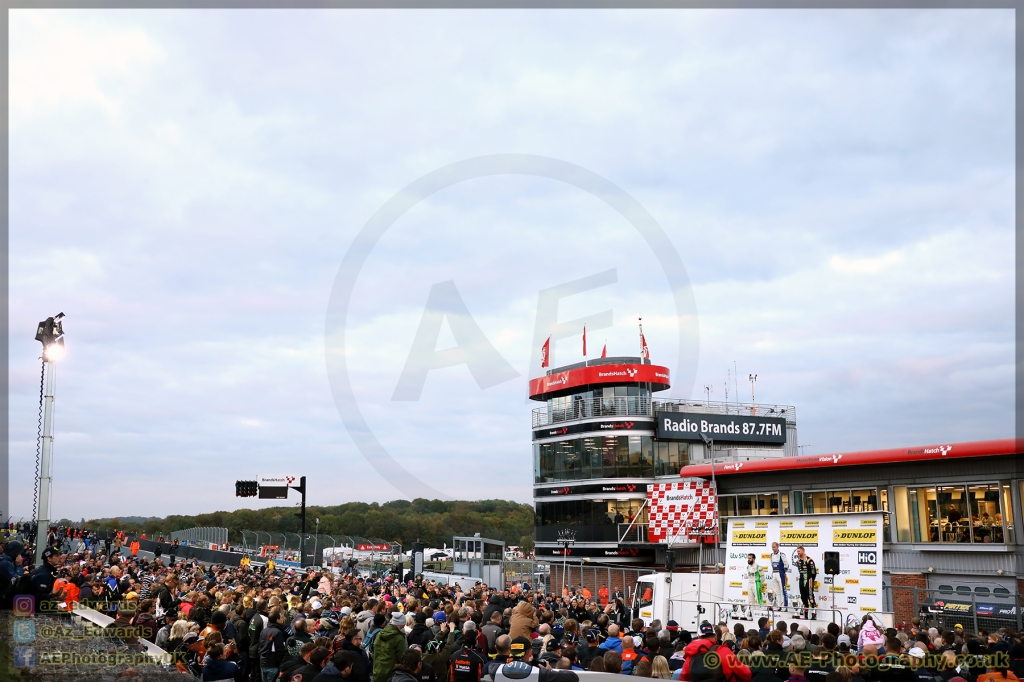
(831, 458)
(733, 466)
(444, 302)
(631, 372)
(941, 450)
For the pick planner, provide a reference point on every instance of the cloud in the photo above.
(184, 185)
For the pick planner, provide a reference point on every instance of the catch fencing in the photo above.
(201, 537)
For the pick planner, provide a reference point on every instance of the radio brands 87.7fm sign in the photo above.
(857, 537)
(723, 428)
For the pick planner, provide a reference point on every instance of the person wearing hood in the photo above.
(408, 669)
(12, 564)
(388, 647)
(524, 620)
(494, 603)
(869, 634)
(364, 619)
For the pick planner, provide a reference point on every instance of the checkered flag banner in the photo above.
(686, 509)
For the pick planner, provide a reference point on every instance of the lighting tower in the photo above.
(50, 333)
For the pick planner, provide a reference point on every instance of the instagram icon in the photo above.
(24, 605)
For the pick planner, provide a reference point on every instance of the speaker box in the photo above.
(831, 563)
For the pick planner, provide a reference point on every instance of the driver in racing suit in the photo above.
(808, 572)
(752, 573)
(778, 570)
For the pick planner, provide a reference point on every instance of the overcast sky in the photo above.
(185, 184)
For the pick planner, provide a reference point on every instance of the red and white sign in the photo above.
(600, 374)
(373, 548)
(681, 511)
(985, 448)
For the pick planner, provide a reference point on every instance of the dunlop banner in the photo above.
(854, 537)
(796, 538)
(749, 538)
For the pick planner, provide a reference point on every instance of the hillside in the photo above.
(432, 522)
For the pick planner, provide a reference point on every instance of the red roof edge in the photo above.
(981, 448)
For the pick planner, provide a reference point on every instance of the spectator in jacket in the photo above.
(361, 668)
(388, 647)
(869, 634)
(732, 669)
(612, 642)
(337, 669)
(272, 647)
(524, 620)
(217, 667)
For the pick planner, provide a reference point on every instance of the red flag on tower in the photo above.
(644, 351)
(545, 353)
(584, 340)
(604, 351)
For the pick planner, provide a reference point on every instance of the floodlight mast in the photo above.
(50, 333)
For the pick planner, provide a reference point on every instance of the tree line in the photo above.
(432, 522)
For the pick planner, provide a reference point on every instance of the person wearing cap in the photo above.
(42, 580)
(592, 650)
(440, 649)
(191, 662)
(732, 668)
(520, 666)
(388, 647)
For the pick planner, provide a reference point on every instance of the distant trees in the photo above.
(432, 522)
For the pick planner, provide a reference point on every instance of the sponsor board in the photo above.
(724, 428)
(860, 557)
(748, 538)
(795, 538)
(860, 537)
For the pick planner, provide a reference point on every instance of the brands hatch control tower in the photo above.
(594, 454)
(595, 451)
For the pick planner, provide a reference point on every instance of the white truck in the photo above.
(687, 598)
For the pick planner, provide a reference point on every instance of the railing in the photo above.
(619, 406)
(636, 406)
(739, 409)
